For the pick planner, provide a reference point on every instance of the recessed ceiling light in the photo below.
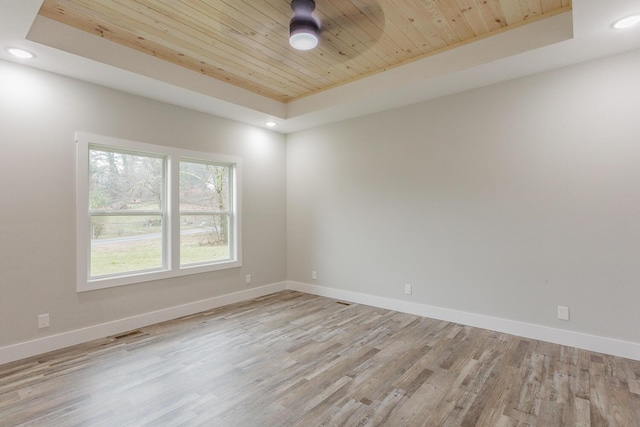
(20, 53)
(270, 124)
(627, 22)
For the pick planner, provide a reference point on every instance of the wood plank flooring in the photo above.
(292, 359)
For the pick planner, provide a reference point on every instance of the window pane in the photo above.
(124, 181)
(125, 244)
(203, 238)
(204, 187)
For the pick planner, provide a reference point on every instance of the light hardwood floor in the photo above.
(291, 359)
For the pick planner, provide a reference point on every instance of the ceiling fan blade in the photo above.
(350, 26)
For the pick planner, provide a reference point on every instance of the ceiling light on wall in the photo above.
(627, 22)
(270, 124)
(20, 53)
(303, 28)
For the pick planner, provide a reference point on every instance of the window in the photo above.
(148, 212)
(205, 215)
(126, 212)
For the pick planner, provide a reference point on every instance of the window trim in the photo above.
(171, 227)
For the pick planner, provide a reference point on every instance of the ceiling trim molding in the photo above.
(561, 40)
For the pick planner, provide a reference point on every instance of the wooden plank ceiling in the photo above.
(245, 42)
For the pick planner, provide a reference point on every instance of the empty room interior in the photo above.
(330, 213)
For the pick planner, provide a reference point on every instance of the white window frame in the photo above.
(170, 211)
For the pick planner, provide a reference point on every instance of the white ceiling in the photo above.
(583, 34)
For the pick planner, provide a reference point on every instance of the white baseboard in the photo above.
(598, 344)
(55, 342)
(629, 350)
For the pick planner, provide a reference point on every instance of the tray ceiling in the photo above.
(245, 42)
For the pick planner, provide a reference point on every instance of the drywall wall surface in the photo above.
(39, 115)
(505, 201)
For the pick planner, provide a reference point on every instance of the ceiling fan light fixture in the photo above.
(303, 38)
(303, 28)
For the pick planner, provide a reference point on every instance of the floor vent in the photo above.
(127, 334)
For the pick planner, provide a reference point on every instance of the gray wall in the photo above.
(506, 201)
(39, 115)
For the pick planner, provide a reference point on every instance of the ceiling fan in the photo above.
(304, 28)
(363, 19)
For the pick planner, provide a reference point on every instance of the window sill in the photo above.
(149, 276)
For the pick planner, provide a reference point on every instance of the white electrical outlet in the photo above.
(407, 289)
(314, 276)
(247, 279)
(563, 312)
(43, 321)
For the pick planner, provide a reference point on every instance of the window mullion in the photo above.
(125, 213)
(205, 213)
